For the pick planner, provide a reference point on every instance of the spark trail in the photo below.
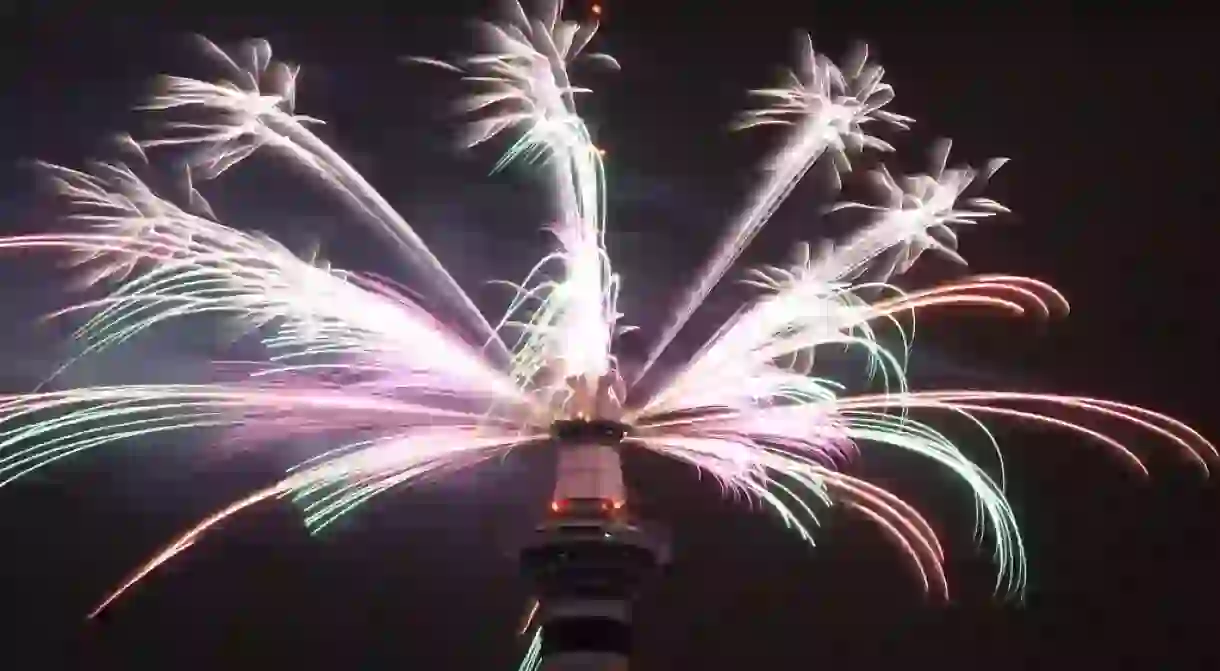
(524, 82)
(825, 108)
(253, 108)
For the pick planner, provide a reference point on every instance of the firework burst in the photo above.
(405, 392)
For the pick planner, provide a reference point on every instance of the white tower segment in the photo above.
(589, 470)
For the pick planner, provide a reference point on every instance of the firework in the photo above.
(407, 393)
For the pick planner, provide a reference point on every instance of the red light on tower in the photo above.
(596, 9)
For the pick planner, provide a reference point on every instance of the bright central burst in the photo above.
(406, 392)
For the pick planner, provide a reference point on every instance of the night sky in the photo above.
(1108, 120)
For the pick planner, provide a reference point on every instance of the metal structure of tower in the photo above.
(588, 559)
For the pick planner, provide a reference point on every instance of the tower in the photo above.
(589, 558)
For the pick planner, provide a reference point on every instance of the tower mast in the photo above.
(589, 558)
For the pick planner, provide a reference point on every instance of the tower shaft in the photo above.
(588, 560)
(589, 472)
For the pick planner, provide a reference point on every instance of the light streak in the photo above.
(825, 109)
(524, 84)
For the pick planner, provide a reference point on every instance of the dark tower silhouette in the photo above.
(589, 558)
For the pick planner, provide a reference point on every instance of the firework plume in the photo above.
(404, 392)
